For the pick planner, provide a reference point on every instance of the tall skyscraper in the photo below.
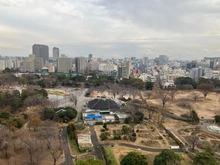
(56, 53)
(128, 68)
(41, 51)
(81, 64)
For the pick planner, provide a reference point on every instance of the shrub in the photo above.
(117, 137)
(99, 123)
(4, 115)
(103, 136)
(102, 130)
(132, 138)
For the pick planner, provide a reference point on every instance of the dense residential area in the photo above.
(144, 111)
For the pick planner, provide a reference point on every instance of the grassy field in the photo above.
(74, 146)
(110, 155)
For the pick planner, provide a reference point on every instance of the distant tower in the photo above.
(41, 51)
(128, 68)
(90, 55)
(56, 53)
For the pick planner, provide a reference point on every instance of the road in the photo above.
(66, 149)
(97, 146)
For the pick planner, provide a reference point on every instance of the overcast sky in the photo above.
(185, 29)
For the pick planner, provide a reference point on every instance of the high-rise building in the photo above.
(145, 60)
(64, 64)
(163, 59)
(122, 71)
(41, 51)
(56, 53)
(2, 64)
(90, 55)
(81, 64)
(32, 64)
(128, 68)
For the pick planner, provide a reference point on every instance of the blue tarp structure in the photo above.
(94, 117)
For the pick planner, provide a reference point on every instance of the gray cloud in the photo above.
(112, 27)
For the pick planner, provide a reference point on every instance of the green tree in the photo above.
(194, 116)
(8, 70)
(1, 99)
(149, 85)
(180, 81)
(167, 157)
(105, 126)
(23, 80)
(89, 162)
(48, 113)
(134, 158)
(71, 113)
(125, 129)
(204, 158)
(217, 118)
(24, 94)
(103, 136)
(128, 120)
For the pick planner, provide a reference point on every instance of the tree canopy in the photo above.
(204, 158)
(167, 157)
(180, 81)
(89, 162)
(134, 158)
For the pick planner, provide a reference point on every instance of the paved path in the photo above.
(97, 146)
(68, 157)
(145, 148)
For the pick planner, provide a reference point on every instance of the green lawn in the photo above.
(110, 156)
(74, 146)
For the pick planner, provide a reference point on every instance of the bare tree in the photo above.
(123, 91)
(35, 123)
(33, 147)
(150, 112)
(5, 138)
(205, 88)
(186, 87)
(73, 98)
(164, 97)
(193, 141)
(134, 92)
(54, 103)
(114, 89)
(149, 94)
(194, 95)
(184, 103)
(172, 93)
(36, 99)
(55, 150)
(18, 144)
(160, 118)
(49, 134)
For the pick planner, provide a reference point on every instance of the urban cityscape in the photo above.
(103, 82)
(144, 68)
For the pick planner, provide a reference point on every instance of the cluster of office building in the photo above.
(146, 69)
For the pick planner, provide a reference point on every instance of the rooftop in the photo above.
(103, 104)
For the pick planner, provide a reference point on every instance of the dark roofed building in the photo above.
(103, 104)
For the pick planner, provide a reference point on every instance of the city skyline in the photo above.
(185, 30)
